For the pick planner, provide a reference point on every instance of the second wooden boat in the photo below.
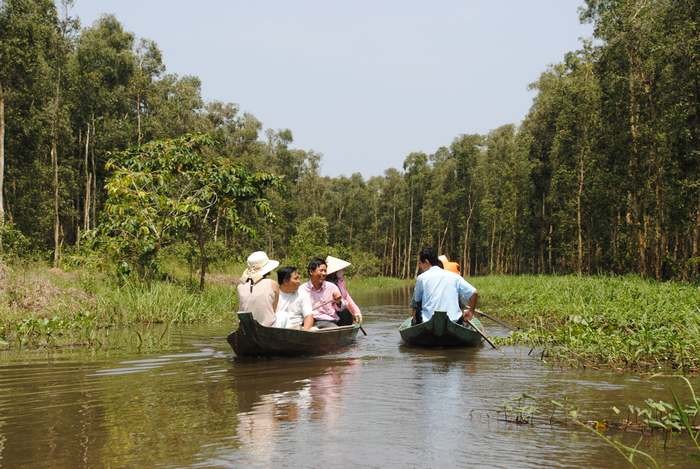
(439, 331)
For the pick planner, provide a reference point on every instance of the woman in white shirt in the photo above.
(294, 310)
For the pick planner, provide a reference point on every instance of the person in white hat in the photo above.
(257, 293)
(335, 274)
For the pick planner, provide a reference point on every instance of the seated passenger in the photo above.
(257, 293)
(450, 266)
(467, 301)
(294, 306)
(326, 299)
(335, 274)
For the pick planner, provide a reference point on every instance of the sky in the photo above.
(362, 82)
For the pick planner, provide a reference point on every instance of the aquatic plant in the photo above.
(617, 322)
(653, 418)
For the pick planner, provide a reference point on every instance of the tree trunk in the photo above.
(549, 248)
(2, 160)
(202, 257)
(410, 236)
(93, 208)
(386, 246)
(579, 195)
(393, 241)
(491, 246)
(216, 231)
(696, 240)
(54, 165)
(86, 203)
(138, 118)
(636, 78)
(466, 261)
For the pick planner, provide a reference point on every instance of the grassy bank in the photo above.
(50, 307)
(615, 322)
(619, 322)
(43, 307)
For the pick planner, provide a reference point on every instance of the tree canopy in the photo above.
(602, 175)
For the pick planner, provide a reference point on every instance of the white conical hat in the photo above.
(334, 264)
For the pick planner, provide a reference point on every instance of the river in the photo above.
(376, 404)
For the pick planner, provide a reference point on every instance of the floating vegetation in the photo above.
(623, 323)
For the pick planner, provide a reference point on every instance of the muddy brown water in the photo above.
(375, 404)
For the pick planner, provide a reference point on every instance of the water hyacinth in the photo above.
(620, 322)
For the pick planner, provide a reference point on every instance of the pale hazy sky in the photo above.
(362, 82)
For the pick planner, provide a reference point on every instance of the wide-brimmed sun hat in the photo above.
(258, 265)
(333, 264)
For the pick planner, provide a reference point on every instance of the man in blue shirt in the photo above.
(440, 290)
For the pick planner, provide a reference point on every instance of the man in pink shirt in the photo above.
(326, 299)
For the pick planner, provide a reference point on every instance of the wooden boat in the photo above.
(439, 331)
(253, 339)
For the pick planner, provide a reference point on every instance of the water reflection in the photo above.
(272, 401)
(376, 404)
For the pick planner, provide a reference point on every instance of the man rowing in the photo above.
(440, 290)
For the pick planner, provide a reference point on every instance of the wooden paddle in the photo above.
(496, 320)
(469, 321)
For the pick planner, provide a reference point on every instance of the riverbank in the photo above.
(44, 307)
(623, 323)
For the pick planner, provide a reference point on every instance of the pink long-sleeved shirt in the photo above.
(325, 309)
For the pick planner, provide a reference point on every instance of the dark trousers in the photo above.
(346, 318)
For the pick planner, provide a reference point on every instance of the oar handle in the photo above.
(496, 320)
(469, 321)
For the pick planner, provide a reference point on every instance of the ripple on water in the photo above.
(375, 404)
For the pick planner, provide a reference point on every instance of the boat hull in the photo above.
(439, 331)
(253, 339)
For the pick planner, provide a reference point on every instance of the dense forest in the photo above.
(601, 176)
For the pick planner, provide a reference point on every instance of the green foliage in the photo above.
(175, 191)
(13, 243)
(619, 322)
(310, 240)
(601, 177)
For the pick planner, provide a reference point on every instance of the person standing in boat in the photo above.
(294, 310)
(440, 290)
(257, 293)
(326, 299)
(336, 275)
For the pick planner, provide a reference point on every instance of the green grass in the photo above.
(619, 322)
(50, 307)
